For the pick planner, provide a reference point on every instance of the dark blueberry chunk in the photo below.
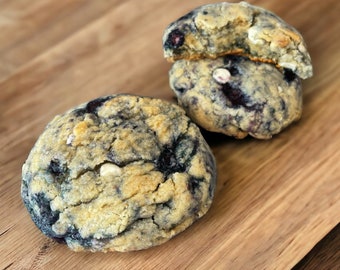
(231, 62)
(233, 58)
(168, 163)
(233, 71)
(175, 39)
(46, 213)
(92, 106)
(234, 95)
(57, 169)
(193, 184)
(180, 89)
(46, 217)
(80, 112)
(73, 233)
(288, 75)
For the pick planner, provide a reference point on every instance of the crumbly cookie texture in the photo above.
(119, 173)
(236, 96)
(225, 28)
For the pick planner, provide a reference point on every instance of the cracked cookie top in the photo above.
(118, 173)
(225, 28)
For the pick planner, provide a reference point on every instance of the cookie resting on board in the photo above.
(119, 173)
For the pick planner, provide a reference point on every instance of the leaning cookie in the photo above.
(236, 96)
(119, 173)
(224, 28)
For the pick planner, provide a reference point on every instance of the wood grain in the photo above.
(325, 254)
(275, 199)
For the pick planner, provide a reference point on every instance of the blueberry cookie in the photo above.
(219, 29)
(230, 95)
(119, 173)
(237, 69)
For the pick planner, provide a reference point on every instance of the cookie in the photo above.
(119, 173)
(236, 96)
(219, 29)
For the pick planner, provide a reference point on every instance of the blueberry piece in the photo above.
(288, 75)
(175, 39)
(57, 169)
(233, 71)
(73, 234)
(235, 59)
(193, 184)
(234, 95)
(168, 163)
(180, 89)
(46, 217)
(92, 106)
(231, 62)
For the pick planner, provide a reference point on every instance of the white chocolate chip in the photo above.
(221, 75)
(109, 169)
(70, 139)
(302, 48)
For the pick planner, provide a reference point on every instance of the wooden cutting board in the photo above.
(275, 199)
